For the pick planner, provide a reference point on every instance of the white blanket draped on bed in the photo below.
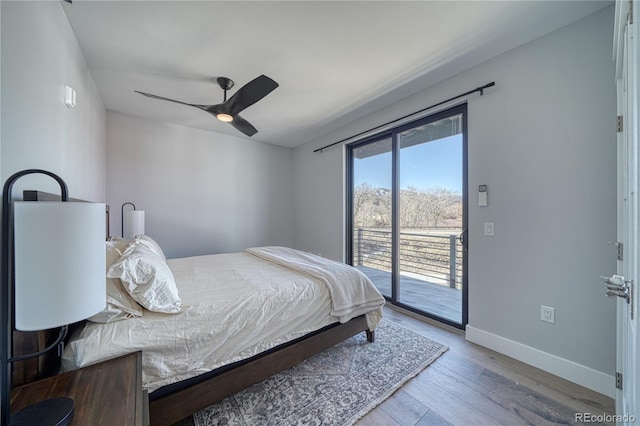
(234, 306)
(352, 293)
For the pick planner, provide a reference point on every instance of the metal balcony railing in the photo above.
(436, 258)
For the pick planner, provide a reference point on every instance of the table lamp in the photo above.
(134, 223)
(53, 256)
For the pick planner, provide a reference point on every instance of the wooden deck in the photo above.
(432, 298)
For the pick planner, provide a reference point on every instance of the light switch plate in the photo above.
(488, 229)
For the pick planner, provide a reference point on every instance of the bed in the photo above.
(303, 321)
(239, 346)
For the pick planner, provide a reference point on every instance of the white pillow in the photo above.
(120, 305)
(147, 278)
(151, 244)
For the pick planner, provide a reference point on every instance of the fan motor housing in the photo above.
(225, 83)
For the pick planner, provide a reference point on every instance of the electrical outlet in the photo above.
(547, 314)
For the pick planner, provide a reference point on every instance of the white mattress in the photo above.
(234, 306)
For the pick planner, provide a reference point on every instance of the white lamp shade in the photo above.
(59, 263)
(133, 223)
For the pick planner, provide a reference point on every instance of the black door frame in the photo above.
(395, 202)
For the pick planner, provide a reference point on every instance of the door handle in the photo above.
(463, 239)
(617, 286)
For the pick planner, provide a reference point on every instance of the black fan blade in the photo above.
(246, 96)
(243, 125)
(149, 95)
(216, 109)
(249, 94)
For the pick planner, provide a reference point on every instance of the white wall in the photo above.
(202, 192)
(543, 141)
(40, 54)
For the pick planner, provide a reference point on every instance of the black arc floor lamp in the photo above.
(53, 257)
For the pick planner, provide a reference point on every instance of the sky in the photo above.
(435, 163)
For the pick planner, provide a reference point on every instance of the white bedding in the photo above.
(347, 301)
(234, 306)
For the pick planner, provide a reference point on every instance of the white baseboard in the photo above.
(569, 370)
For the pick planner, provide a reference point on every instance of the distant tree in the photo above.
(382, 208)
(362, 195)
(442, 203)
(371, 206)
(413, 208)
(419, 208)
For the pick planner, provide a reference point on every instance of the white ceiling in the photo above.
(335, 61)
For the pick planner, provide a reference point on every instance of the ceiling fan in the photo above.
(229, 110)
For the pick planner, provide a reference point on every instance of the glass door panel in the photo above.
(406, 212)
(371, 212)
(431, 217)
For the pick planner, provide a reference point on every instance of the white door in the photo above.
(624, 286)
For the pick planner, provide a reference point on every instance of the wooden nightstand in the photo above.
(107, 393)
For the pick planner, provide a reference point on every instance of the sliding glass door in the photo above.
(372, 211)
(407, 214)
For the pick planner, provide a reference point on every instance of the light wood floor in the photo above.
(471, 385)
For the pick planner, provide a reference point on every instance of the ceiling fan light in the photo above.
(226, 118)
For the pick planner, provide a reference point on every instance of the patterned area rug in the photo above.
(335, 387)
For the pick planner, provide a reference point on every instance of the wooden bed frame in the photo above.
(173, 403)
(225, 382)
